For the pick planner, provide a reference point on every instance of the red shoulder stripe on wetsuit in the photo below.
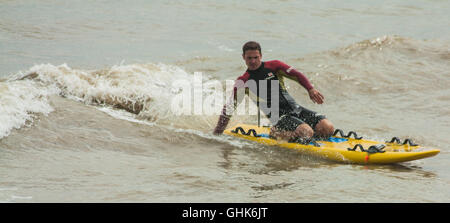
(229, 107)
(277, 65)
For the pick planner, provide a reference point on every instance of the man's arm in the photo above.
(221, 124)
(231, 105)
(314, 94)
(293, 73)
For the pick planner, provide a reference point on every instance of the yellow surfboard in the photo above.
(341, 148)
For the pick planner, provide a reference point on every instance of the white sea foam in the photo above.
(141, 92)
(20, 102)
(144, 89)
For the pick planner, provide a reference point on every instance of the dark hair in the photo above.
(251, 45)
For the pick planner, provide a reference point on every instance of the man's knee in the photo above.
(324, 128)
(304, 131)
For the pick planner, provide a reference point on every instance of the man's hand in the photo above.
(315, 96)
(217, 132)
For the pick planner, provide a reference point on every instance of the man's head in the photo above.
(251, 52)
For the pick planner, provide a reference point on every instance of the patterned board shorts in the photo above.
(291, 120)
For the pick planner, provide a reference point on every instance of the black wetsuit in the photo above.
(290, 113)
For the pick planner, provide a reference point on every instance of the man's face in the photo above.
(252, 59)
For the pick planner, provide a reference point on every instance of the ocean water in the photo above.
(88, 94)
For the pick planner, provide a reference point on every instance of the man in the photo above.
(295, 121)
